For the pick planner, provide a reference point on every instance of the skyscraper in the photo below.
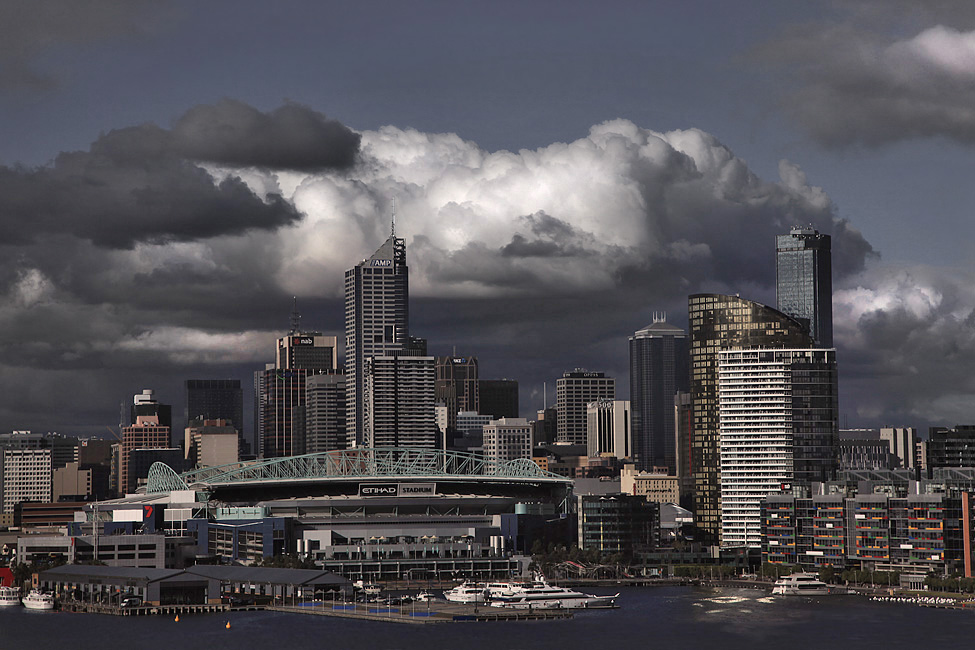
(779, 424)
(573, 392)
(498, 397)
(718, 322)
(804, 281)
(376, 322)
(658, 369)
(325, 413)
(457, 386)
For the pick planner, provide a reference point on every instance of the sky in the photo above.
(174, 174)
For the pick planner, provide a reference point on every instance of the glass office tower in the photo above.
(804, 281)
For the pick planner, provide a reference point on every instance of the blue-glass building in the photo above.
(804, 281)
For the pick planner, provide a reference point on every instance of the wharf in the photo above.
(75, 606)
(419, 613)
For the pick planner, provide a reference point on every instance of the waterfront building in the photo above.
(608, 428)
(498, 398)
(720, 322)
(804, 281)
(618, 523)
(376, 323)
(778, 416)
(573, 392)
(373, 514)
(398, 402)
(658, 371)
(507, 439)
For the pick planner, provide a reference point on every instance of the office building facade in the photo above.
(608, 428)
(376, 323)
(498, 398)
(507, 439)
(217, 399)
(457, 386)
(720, 322)
(325, 413)
(658, 370)
(146, 433)
(804, 281)
(573, 392)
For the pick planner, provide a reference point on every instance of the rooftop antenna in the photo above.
(295, 317)
(392, 220)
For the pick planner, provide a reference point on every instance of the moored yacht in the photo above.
(800, 584)
(38, 600)
(467, 592)
(541, 595)
(9, 596)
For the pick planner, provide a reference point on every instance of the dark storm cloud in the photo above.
(31, 28)
(290, 137)
(142, 184)
(129, 188)
(908, 337)
(881, 72)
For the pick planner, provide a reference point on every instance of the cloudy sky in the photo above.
(172, 173)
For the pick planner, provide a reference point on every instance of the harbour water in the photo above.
(662, 617)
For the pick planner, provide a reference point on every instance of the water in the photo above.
(658, 618)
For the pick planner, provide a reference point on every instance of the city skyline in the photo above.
(560, 172)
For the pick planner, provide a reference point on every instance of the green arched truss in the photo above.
(356, 463)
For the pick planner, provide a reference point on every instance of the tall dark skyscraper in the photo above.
(376, 321)
(498, 398)
(457, 386)
(658, 369)
(719, 322)
(804, 281)
(216, 399)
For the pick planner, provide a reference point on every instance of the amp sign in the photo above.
(381, 263)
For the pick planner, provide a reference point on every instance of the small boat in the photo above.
(38, 600)
(425, 597)
(800, 584)
(9, 596)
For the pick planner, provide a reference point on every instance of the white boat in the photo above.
(467, 592)
(38, 600)
(800, 584)
(9, 596)
(541, 595)
(424, 597)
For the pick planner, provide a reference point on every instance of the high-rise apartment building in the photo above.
(804, 281)
(951, 447)
(376, 323)
(457, 386)
(145, 403)
(398, 402)
(573, 392)
(719, 322)
(778, 413)
(658, 370)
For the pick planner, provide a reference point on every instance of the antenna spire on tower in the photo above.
(295, 317)
(392, 220)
